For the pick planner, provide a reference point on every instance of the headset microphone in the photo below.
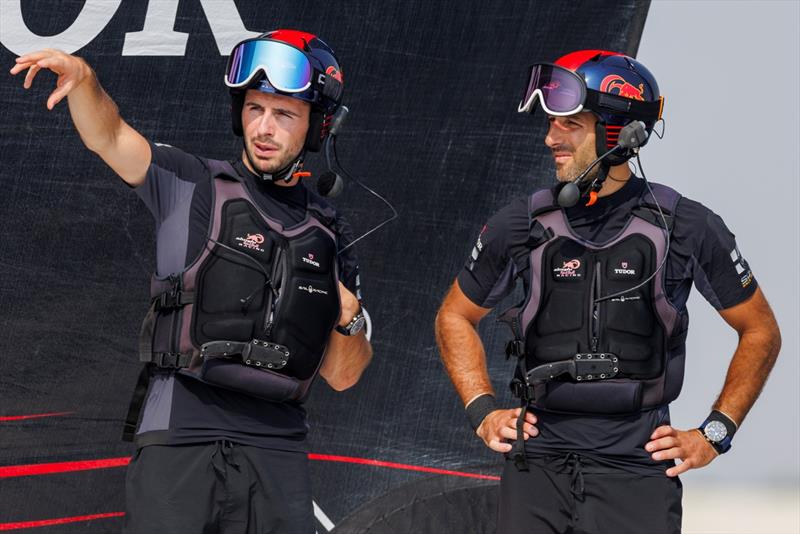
(330, 184)
(632, 136)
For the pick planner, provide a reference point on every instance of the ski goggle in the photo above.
(560, 91)
(286, 68)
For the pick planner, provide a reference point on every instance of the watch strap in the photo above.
(347, 330)
(723, 445)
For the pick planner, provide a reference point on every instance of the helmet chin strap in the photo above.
(286, 173)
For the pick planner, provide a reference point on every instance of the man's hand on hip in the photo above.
(501, 425)
(688, 446)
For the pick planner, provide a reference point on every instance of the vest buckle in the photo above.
(522, 390)
(516, 348)
(168, 360)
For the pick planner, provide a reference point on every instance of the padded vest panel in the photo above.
(232, 290)
(568, 321)
(308, 308)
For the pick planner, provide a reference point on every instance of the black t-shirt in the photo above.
(179, 409)
(702, 250)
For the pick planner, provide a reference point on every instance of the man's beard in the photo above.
(581, 159)
(286, 158)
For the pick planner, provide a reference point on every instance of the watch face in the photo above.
(715, 431)
(357, 325)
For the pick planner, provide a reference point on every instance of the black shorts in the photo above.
(220, 488)
(572, 494)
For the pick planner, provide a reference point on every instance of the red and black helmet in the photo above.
(616, 87)
(290, 63)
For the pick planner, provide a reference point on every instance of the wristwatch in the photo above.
(718, 429)
(354, 326)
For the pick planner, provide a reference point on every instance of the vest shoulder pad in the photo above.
(662, 197)
(540, 202)
(322, 210)
(222, 169)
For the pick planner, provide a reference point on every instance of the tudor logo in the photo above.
(569, 269)
(309, 259)
(624, 270)
(311, 289)
(251, 241)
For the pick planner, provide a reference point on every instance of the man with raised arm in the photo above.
(255, 293)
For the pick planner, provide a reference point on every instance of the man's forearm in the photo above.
(95, 115)
(748, 371)
(345, 360)
(463, 355)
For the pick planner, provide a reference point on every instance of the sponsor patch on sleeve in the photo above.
(476, 250)
(742, 268)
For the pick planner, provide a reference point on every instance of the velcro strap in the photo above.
(170, 360)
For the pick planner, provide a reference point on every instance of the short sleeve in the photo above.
(170, 179)
(720, 271)
(349, 272)
(489, 273)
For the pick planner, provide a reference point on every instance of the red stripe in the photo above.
(392, 465)
(32, 416)
(86, 465)
(61, 467)
(57, 521)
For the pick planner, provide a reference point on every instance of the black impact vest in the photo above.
(255, 309)
(638, 336)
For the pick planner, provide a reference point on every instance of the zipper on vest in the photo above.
(276, 279)
(175, 283)
(595, 308)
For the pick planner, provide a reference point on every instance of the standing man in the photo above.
(607, 261)
(253, 296)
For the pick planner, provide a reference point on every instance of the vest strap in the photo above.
(538, 235)
(173, 299)
(170, 360)
(135, 406)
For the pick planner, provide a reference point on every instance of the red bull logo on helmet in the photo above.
(616, 85)
(334, 73)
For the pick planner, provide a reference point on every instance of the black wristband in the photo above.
(479, 408)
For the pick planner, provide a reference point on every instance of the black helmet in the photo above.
(289, 63)
(616, 87)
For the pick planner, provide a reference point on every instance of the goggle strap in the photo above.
(626, 107)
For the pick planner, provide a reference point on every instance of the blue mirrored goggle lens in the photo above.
(286, 67)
